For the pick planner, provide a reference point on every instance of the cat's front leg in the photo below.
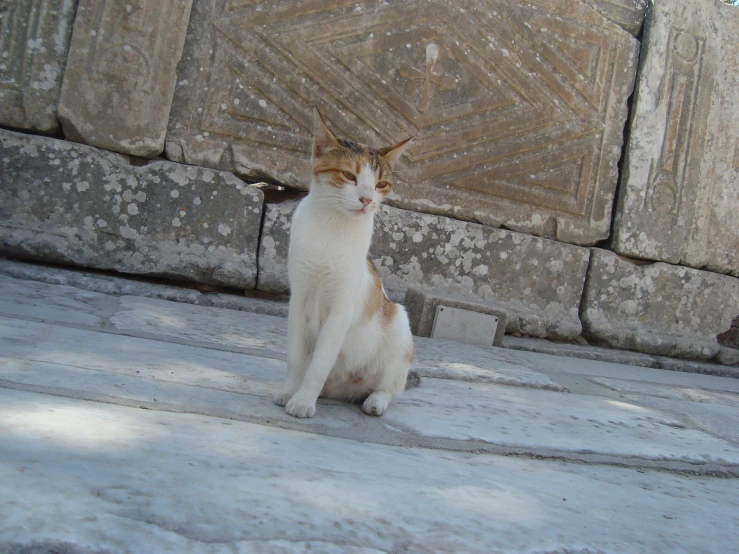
(297, 351)
(328, 345)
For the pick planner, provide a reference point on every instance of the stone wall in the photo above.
(519, 168)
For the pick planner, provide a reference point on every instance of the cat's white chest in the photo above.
(326, 261)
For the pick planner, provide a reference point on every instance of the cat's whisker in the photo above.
(378, 211)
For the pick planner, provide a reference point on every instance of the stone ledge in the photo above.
(68, 203)
(657, 308)
(587, 352)
(538, 282)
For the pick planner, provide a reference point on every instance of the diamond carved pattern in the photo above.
(517, 108)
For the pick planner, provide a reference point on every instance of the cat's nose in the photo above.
(365, 201)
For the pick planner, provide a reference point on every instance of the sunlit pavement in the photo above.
(131, 424)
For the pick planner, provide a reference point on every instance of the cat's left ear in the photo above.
(322, 137)
(392, 153)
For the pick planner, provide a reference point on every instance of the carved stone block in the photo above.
(518, 108)
(657, 308)
(69, 203)
(627, 14)
(121, 72)
(34, 38)
(679, 197)
(536, 282)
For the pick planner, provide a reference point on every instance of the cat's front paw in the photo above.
(283, 397)
(376, 403)
(298, 406)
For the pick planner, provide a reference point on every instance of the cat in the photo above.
(346, 339)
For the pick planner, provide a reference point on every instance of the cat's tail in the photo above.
(413, 380)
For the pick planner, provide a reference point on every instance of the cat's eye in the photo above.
(382, 185)
(349, 176)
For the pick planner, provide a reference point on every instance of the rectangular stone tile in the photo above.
(537, 282)
(585, 352)
(34, 39)
(58, 303)
(121, 285)
(143, 481)
(679, 200)
(156, 375)
(264, 335)
(541, 420)
(69, 203)
(121, 73)
(517, 108)
(114, 357)
(657, 308)
(627, 14)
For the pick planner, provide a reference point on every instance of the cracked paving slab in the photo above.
(235, 331)
(100, 477)
(155, 374)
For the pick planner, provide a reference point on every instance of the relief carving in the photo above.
(34, 38)
(121, 73)
(680, 94)
(429, 78)
(678, 199)
(510, 129)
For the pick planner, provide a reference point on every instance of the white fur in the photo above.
(332, 349)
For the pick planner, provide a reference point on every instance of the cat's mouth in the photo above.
(360, 211)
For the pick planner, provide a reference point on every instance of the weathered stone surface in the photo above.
(627, 14)
(69, 203)
(121, 73)
(518, 108)
(34, 38)
(421, 307)
(586, 352)
(690, 366)
(122, 286)
(728, 356)
(657, 308)
(679, 199)
(537, 282)
(730, 338)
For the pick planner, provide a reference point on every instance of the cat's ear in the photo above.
(322, 137)
(392, 153)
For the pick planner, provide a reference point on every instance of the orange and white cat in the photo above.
(346, 340)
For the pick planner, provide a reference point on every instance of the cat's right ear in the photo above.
(322, 137)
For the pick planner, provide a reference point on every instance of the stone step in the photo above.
(441, 413)
(83, 476)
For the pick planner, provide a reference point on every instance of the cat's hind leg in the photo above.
(395, 353)
(391, 383)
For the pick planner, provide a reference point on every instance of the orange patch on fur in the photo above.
(332, 175)
(377, 301)
(389, 309)
(373, 302)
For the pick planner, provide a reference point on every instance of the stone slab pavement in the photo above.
(132, 424)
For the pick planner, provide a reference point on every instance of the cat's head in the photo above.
(353, 178)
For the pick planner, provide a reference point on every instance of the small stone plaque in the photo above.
(464, 326)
